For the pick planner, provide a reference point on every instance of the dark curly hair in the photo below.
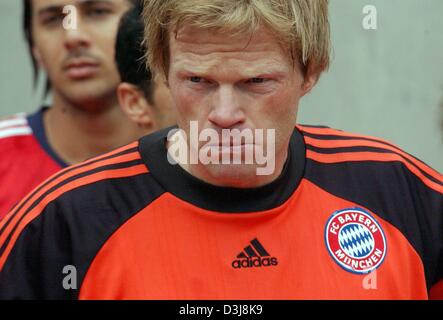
(129, 52)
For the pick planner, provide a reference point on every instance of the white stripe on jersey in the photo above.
(13, 122)
(18, 131)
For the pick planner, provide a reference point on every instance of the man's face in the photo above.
(241, 82)
(79, 61)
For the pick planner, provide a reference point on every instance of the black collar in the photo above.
(180, 183)
(35, 121)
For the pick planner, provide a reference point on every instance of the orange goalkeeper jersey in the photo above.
(350, 217)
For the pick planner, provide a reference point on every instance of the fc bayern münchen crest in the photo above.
(355, 240)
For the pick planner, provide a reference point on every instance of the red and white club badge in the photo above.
(355, 240)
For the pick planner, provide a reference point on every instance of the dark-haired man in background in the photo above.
(84, 119)
(145, 100)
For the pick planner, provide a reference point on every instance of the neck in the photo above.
(192, 189)
(76, 134)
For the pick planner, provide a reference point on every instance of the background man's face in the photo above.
(226, 82)
(80, 62)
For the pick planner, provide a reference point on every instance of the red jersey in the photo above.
(130, 225)
(26, 159)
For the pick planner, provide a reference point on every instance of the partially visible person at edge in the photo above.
(145, 100)
(337, 208)
(84, 119)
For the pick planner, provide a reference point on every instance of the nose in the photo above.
(226, 111)
(76, 36)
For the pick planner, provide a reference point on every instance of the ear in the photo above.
(310, 80)
(134, 104)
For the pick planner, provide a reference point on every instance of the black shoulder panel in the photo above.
(70, 232)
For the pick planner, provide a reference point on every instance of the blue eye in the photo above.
(256, 80)
(195, 79)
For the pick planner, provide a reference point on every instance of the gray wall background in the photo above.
(386, 82)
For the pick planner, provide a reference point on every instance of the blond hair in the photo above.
(301, 26)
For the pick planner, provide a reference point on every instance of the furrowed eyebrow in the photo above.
(246, 75)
